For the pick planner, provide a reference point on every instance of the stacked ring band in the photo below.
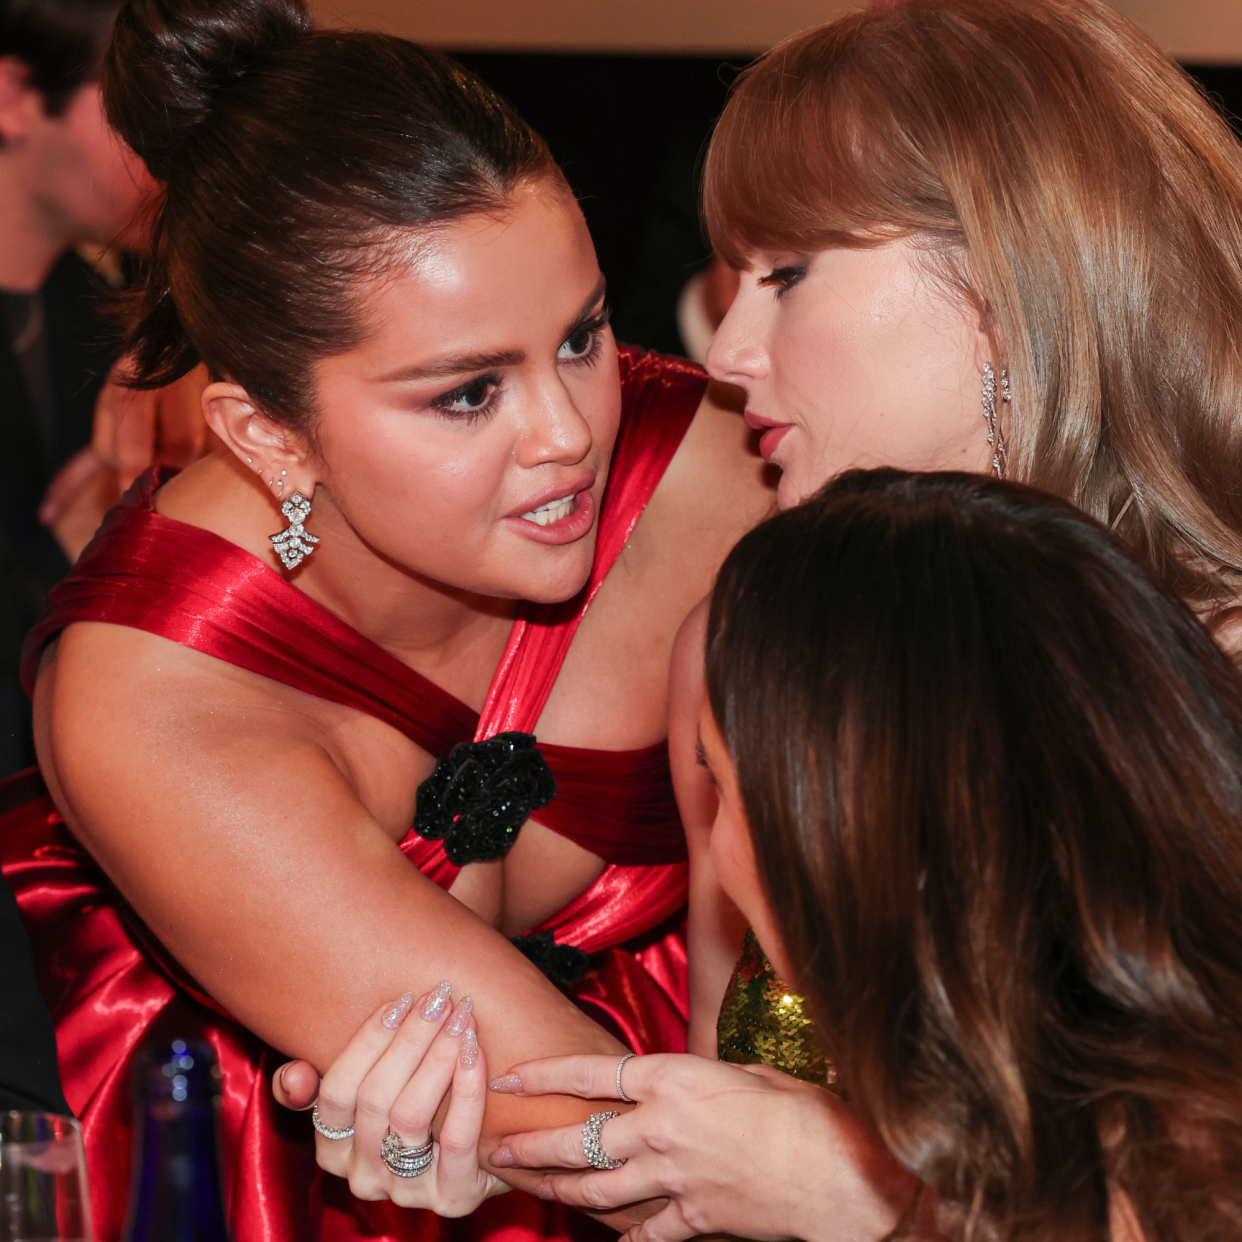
(327, 1131)
(405, 1161)
(621, 1094)
(595, 1154)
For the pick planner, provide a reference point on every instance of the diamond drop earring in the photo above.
(293, 545)
(995, 439)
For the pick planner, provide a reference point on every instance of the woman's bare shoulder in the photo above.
(715, 489)
(717, 476)
(96, 675)
(122, 716)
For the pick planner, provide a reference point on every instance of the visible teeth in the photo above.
(553, 511)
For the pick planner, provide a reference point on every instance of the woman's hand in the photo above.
(393, 1077)
(743, 1150)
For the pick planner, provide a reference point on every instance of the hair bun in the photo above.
(171, 61)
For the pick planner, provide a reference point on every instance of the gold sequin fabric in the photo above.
(763, 1023)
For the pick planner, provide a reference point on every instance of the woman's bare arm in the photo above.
(223, 817)
(715, 926)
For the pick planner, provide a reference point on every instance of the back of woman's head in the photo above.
(296, 161)
(993, 775)
(1072, 183)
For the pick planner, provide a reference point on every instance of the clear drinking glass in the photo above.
(42, 1179)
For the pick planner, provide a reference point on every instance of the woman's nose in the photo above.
(556, 429)
(738, 352)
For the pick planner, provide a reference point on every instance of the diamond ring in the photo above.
(405, 1161)
(621, 1094)
(327, 1131)
(595, 1154)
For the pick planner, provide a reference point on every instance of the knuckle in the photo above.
(408, 1120)
(333, 1100)
(695, 1217)
(336, 1163)
(593, 1193)
(457, 1145)
(580, 1077)
(363, 1184)
(372, 1103)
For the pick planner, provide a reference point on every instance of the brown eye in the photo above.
(578, 345)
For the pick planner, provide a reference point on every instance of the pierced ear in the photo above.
(276, 455)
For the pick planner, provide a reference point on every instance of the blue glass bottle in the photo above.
(174, 1191)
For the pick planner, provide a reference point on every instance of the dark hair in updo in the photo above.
(291, 158)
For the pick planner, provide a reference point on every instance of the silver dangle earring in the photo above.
(293, 545)
(996, 439)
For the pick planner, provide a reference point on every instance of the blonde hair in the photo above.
(1070, 180)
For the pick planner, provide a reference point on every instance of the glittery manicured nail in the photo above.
(395, 1015)
(506, 1082)
(501, 1158)
(545, 1191)
(469, 1048)
(461, 1017)
(435, 1003)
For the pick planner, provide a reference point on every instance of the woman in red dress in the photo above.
(432, 458)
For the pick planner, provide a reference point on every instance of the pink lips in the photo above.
(773, 432)
(570, 528)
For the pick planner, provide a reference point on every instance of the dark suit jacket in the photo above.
(81, 347)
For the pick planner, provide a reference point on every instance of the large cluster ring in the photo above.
(621, 1094)
(405, 1161)
(327, 1131)
(591, 1148)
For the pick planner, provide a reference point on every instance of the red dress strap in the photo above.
(181, 582)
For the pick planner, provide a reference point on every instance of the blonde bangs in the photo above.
(802, 157)
(1082, 193)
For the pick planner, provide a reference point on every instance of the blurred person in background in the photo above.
(67, 183)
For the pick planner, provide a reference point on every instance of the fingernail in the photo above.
(506, 1082)
(502, 1158)
(469, 1048)
(395, 1014)
(545, 1191)
(461, 1017)
(435, 1003)
(282, 1076)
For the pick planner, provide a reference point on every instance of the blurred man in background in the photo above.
(67, 187)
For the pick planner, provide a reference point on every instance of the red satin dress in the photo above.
(109, 984)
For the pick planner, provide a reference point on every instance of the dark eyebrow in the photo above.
(456, 364)
(463, 364)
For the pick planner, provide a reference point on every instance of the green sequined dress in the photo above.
(763, 1023)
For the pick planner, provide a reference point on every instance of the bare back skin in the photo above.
(255, 828)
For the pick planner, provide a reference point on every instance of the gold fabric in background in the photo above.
(763, 1023)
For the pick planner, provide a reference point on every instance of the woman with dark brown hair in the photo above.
(370, 703)
(979, 797)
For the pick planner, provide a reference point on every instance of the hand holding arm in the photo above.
(743, 1150)
(398, 1072)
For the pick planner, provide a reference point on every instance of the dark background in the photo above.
(629, 132)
